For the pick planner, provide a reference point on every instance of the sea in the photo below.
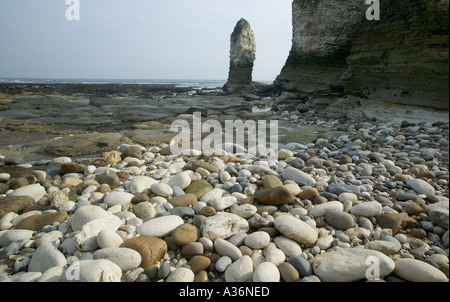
(196, 84)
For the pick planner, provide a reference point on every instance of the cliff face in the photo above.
(403, 58)
(242, 57)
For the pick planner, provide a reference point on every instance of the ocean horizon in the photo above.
(195, 83)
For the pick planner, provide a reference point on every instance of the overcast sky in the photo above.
(139, 39)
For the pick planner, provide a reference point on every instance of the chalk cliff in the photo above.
(242, 57)
(403, 58)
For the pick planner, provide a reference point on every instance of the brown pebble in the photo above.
(184, 200)
(418, 233)
(273, 196)
(191, 249)
(151, 271)
(308, 193)
(288, 272)
(201, 277)
(151, 249)
(199, 263)
(185, 233)
(208, 211)
(426, 174)
(320, 222)
(245, 250)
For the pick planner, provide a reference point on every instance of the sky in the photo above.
(139, 39)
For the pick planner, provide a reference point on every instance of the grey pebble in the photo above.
(302, 265)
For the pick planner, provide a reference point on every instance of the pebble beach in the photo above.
(375, 190)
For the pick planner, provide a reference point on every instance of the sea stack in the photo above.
(242, 56)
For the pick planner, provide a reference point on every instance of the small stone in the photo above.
(207, 166)
(298, 176)
(184, 234)
(274, 255)
(257, 240)
(181, 180)
(442, 262)
(126, 258)
(288, 246)
(201, 276)
(303, 267)
(191, 249)
(320, 210)
(359, 232)
(37, 222)
(347, 265)
(85, 214)
(296, 229)
(118, 198)
(181, 274)
(223, 225)
(161, 189)
(160, 226)
(29, 277)
(415, 208)
(348, 196)
(184, 200)
(420, 186)
(288, 272)
(240, 270)
(396, 222)
(108, 238)
(112, 180)
(266, 272)
(3, 188)
(418, 233)
(199, 188)
(144, 210)
(150, 248)
(222, 203)
(8, 237)
(439, 214)
(222, 263)
(245, 211)
(86, 239)
(208, 211)
(100, 270)
(324, 242)
(418, 271)
(46, 256)
(53, 274)
(339, 220)
(72, 167)
(225, 248)
(271, 181)
(140, 184)
(199, 263)
(284, 153)
(386, 247)
(308, 193)
(273, 196)
(35, 191)
(367, 209)
(15, 204)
